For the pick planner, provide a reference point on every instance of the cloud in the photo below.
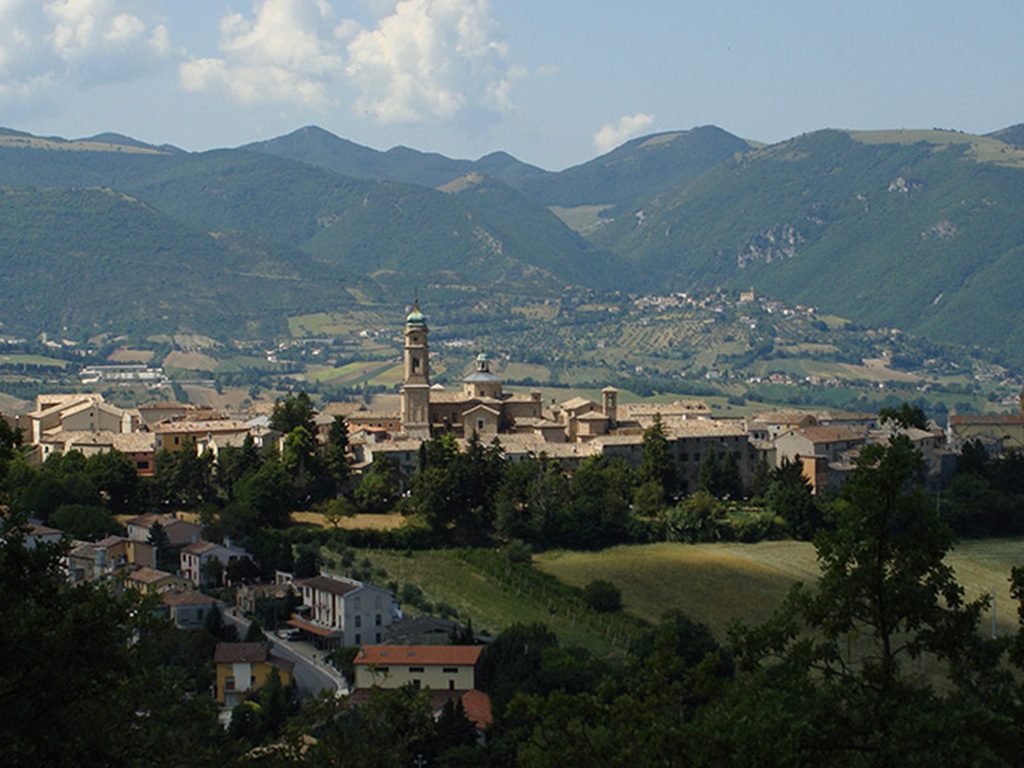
(611, 135)
(285, 54)
(419, 61)
(429, 60)
(82, 42)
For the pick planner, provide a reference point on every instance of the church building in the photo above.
(481, 407)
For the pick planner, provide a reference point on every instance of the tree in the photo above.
(906, 416)
(830, 669)
(301, 460)
(336, 510)
(212, 573)
(167, 558)
(84, 522)
(657, 465)
(789, 496)
(379, 488)
(115, 477)
(254, 633)
(602, 596)
(291, 412)
(270, 493)
(336, 454)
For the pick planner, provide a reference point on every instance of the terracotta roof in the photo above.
(146, 575)
(593, 416)
(478, 708)
(35, 529)
(327, 584)
(831, 434)
(237, 653)
(313, 629)
(420, 655)
(209, 425)
(200, 547)
(577, 402)
(188, 597)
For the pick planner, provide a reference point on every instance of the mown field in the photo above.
(495, 597)
(719, 584)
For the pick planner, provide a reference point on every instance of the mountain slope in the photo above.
(643, 167)
(315, 146)
(885, 229)
(82, 261)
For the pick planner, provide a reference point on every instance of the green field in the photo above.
(494, 599)
(722, 583)
(40, 360)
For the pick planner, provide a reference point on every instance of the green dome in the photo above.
(415, 317)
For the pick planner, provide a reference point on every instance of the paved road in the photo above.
(311, 676)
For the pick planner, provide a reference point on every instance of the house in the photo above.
(244, 668)
(139, 447)
(337, 612)
(997, 432)
(36, 534)
(93, 560)
(150, 581)
(195, 561)
(175, 435)
(822, 451)
(179, 532)
(187, 609)
(438, 667)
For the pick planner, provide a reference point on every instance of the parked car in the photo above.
(288, 633)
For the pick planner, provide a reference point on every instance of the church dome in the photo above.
(415, 317)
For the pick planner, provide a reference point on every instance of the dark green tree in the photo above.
(657, 464)
(905, 416)
(336, 454)
(293, 411)
(789, 497)
(379, 488)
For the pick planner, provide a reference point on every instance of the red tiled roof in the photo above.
(420, 655)
(315, 629)
(236, 653)
(478, 708)
(327, 584)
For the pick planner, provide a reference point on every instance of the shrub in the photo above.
(603, 596)
(518, 552)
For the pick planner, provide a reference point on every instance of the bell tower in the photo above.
(415, 394)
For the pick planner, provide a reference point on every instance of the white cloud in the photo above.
(611, 135)
(77, 42)
(421, 60)
(285, 54)
(430, 59)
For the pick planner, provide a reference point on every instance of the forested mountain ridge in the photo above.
(920, 230)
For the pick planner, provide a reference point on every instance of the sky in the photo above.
(554, 83)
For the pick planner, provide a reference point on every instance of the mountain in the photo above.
(643, 167)
(397, 235)
(82, 261)
(1013, 135)
(315, 146)
(922, 230)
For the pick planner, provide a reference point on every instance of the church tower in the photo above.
(416, 376)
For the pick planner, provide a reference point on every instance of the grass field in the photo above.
(191, 361)
(492, 603)
(354, 523)
(40, 360)
(125, 355)
(722, 583)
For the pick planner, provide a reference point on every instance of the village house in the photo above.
(188, 609)
(175, 435)
(36, 534)
(94, 560)
(195, 561)
(179, 532)
(438, 667)
(150, 581)
(244, 669)
(338, 611)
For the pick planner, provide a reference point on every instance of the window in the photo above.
(415, 669)
(416, 684)
(359, 621)
(479, 425)
(415, 365)
(377, 619)
(176, 440)
(378, 637)
(229, 683)
(450, 670)
(359, 639)
(451, 685)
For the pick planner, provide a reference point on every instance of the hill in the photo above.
(84, 261)
(640, 168)
(722, 583)
(1013, 135)
(923, 230)
(315, 146)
